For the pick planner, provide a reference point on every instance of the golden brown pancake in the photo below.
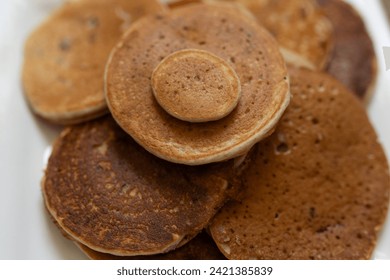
(318, 188)
(65, 57)
(300, 27)
(173, 4)
(223, 31)
(353, 60)
(212, 88)
(108, 193)
(202, 247)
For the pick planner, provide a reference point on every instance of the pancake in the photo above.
(173, 4)
(212, 89)
(299, 26)
(202, 247)
(65, 56)
(253, 54)
(353, 61)
(318, 188)
(108, 193)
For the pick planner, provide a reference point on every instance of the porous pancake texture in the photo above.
(65, 57)
(202, 247)
(223, 31)
(212, 88)
(299, 26)
(318, 188)
(108, 193)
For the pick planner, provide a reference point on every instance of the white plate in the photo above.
(26, 231)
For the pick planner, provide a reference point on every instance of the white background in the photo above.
(26, 232)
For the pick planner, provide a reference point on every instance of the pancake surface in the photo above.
(353, 60)
(318, 188)
(212, 88)
(202, 247)
(173, 4)
(108, 193)
(65, 57)
(253, 54)
(299, 26)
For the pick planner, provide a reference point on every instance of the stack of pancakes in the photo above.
(209, 130)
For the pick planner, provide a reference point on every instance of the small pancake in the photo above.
(299, 26)
(202, 247)
(223, 31)
(108, 193)
(353, 61)
(212, 89)
(318, 188)
(65, 56)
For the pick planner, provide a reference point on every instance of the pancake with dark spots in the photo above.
(301, 28)
(65, 56)
(353, 60)
(108, 193)
(224, 31)
(215, 97)
(202, 247)
(318, 188)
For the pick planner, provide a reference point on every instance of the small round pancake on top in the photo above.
(353, 60)
(318, 188)
(65, 57)
(201, 247)
(197, 102)
(108, 193)
(303, 31)
(225, 32)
